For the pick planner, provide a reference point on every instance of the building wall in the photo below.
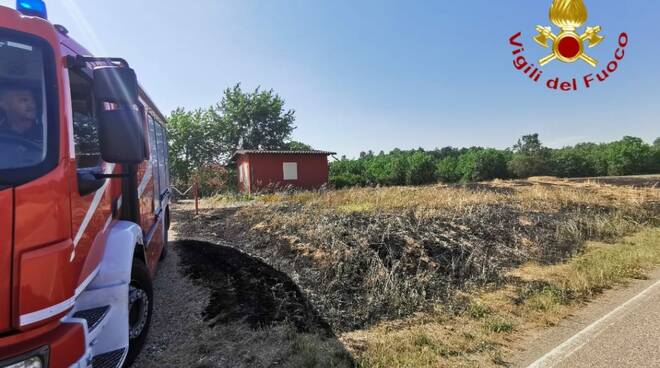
(267, 169)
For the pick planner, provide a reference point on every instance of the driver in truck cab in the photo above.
(18, 113)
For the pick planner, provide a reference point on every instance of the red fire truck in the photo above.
(84, 199)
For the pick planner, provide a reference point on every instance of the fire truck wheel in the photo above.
(166, 239)
(140, 307)
(163, 253)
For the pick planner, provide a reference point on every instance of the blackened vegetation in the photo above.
(360, 266)
(378, 266)
(246, 289)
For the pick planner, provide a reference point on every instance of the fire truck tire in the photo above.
(140, 309)
(166, 238)
(163, 253)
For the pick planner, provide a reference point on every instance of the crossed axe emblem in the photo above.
(545, 34)
(568, 46)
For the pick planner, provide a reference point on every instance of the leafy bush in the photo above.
(343, 180)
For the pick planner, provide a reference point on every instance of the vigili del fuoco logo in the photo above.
(568, 45)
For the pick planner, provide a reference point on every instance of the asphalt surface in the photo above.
(621, 329)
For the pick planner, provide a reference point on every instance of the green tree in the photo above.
(444, 152)
(347, 173)
(447, 170)
(490, 164)
(378, 170)
(193, 142)
(480, 164)
(398, 169)
(571, 162)
(629, 156)
(595, 156)
(530, 157)
(654, 167)
(252, 120)
(421, 169)
(297, 146)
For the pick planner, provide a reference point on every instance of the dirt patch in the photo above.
(245, 289)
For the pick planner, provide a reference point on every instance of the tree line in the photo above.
(527, 158)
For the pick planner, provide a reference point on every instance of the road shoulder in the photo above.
(539, 343)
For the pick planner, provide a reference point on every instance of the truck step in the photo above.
(111, 359)
(93, 316)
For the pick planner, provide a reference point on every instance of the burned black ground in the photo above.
(245, 289)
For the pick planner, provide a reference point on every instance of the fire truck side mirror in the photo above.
(120, 121)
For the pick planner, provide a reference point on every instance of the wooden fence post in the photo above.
(196, 190)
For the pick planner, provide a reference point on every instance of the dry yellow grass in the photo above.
(483, 333)
(601, 266)
(549, 194)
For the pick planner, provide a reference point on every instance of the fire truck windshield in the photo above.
(24, 117)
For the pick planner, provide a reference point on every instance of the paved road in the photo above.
(620, 330)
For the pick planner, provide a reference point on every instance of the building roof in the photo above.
(273, 152)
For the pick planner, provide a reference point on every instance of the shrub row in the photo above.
(628, 156)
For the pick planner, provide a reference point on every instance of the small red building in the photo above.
(259, 169)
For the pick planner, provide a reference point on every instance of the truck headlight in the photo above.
(33, 359)
(34, 362)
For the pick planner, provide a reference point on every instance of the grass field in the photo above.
(439, 275)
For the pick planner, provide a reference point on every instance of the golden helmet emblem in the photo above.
(568, 45)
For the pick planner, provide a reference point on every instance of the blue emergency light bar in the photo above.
(35, 8)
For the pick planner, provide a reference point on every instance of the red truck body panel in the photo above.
(41, 209)
(52, 238)
(6, 222)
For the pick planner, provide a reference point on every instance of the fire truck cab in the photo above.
(84, 199)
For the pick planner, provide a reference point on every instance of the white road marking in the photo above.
(575, 343)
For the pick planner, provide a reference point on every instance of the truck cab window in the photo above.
(23, 122)
(85, 128)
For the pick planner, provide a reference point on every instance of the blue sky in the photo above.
(378, 74)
